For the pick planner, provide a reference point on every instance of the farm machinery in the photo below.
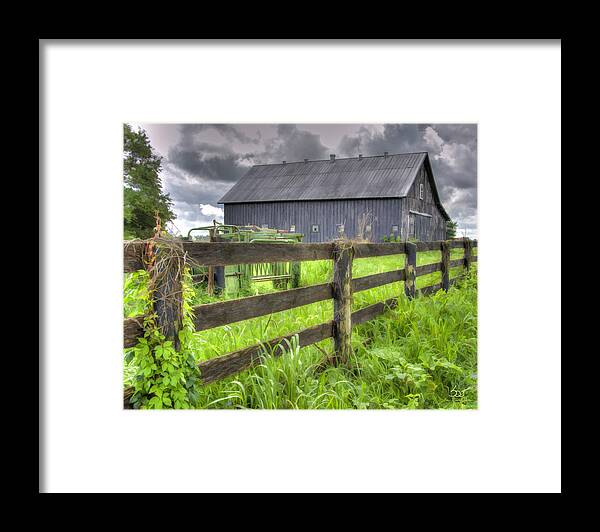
(239, 278)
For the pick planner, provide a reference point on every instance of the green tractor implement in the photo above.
(237, 278)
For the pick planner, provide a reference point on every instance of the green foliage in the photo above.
(136, 299)
(421, 355)
(451, 229)
(142, 193)
(163, 376)
(392, 238)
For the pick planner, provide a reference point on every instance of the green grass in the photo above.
(423, 354)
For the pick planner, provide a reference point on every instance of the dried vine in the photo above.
(166, 372)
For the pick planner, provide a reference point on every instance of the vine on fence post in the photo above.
(166, 375)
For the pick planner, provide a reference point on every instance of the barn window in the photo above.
(394, 228)
(315, 228)
(340, 228)
(292, 228)
(265, 226)
(421, 191)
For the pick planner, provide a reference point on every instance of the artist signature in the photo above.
(458, 394)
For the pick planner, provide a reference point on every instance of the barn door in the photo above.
(418, 226)
(423, 233)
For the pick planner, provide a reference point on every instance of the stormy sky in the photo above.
(202, 161)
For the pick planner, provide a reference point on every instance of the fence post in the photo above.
(219, 279)
(166, 275)
(411, 270)
(445, 265)
(295, 270)
(342, 301)
(467, 244)
(210, 285)
(219, 271)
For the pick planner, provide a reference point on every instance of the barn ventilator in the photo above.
(237, 278)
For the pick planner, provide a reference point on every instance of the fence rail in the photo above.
(208, 316)
(231, 253)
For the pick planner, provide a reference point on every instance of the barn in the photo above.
(357, 197)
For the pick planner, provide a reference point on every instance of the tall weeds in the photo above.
(422, 354)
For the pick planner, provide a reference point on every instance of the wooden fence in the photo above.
(212, 315)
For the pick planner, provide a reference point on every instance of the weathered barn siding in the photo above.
(425, 228)
(339, 191)
(327, 214)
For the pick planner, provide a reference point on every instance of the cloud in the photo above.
(207, 161)
(191, 215)
(293, 144)
(351, 145)
(210, 210)
(228, 131)
(209, 166)
(433, 139)
(457, 156)
(183, 186)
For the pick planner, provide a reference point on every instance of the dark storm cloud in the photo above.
(209, 161)
(208, 166)
(228, 131)
(458, 133)
(293, 144)
(393, 138)
(191, 189)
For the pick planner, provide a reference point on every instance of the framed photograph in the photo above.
(225, 180)
(268, 249)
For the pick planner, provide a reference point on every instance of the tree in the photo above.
(451, 229)
(143, 195)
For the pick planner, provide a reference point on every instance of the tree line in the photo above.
(143, 197)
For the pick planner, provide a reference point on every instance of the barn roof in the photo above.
(380, 176)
